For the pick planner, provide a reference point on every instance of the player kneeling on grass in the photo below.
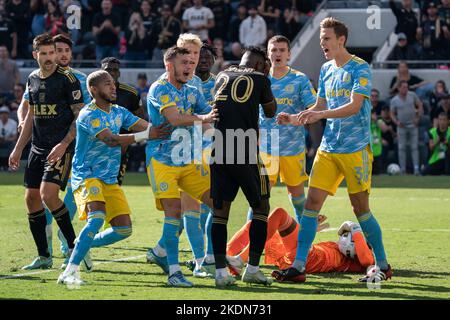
(95, 166)
(349, 254)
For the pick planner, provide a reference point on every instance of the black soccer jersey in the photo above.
(127, 97)
(239, 92)
(51, 99)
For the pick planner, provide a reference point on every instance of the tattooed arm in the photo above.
(114, 140)
(59, 150)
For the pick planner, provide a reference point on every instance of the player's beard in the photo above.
(178, 76)
(105, 97)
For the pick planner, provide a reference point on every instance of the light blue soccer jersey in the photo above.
(93, 158)
(208, 88)
(80, 76)
(188, 100)
(293, 93)
(336, 85)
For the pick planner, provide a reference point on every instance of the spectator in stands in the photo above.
(8, 34)
(9, 74)
(54, 19)
(440, 90)
(444, 16)
(253, 30)
(270, 11)
(406, 110)
(19, 89)
(38, 10)
(181, 7)
(443, 107)
(150, 20)
(439, 144)
(8, 136)
(236, 52)
(142, 88)
(407, 21)
(136, 36)
(388, 136)
(168, 28)
(19, 13)
(241, 15)
(219, 62)
(198, 19)
(222, 11)
(419, 86)
(303, 8)
(377, 143)
(291, 25)
(402, 51)
(106, 29)
(430, 35)
(377, 104)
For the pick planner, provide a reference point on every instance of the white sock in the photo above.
(70, 268)
(252, 269)
(174, 268)
(221, 272)
(198, 263)
(210, 258)
(160, 251)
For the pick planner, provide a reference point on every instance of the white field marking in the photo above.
(21, 275)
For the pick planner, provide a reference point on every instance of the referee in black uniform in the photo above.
(240, 90)
(127, 97)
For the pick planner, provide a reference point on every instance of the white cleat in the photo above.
(227, 281)
(256, 278)
(72, 280)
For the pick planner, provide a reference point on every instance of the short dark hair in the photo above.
(95, 78)
(256, 51)
(110, 60)
(42, 40)
(208, 47)
(280, 39)
(64, 39)
(402, 82)
(172, 52)
(443, 114)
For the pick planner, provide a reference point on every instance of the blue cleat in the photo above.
(39, 263)
(152, 257)
(178, 280)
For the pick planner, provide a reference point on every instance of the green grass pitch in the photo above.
(413, 212)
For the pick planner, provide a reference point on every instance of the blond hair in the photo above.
(186, 38)
(339, 28)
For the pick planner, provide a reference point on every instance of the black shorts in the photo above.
(227, 178)
(123, 165)
(39, 169)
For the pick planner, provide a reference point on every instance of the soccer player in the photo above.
(55, 100)
(95, 166)
(345, 151)
(126, 97)
(190, 207)
(169, 169)
(294, 93)
(63, 59)
(236, 164)
(349, 254)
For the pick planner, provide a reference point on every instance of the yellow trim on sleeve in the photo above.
(171, 104)
(100, 132)
(133, 125)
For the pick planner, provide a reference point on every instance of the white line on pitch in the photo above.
(51, 270)
(399, 230)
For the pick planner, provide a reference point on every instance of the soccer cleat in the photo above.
(375, 274)
(152, 257)
(39, 263)
(70, 279)
(225, 281)
(190, 264)
(202, 273)
(289, 275)
(66, 260)
(256, 278)
(87, 263)
(178, 280)
(235, 265)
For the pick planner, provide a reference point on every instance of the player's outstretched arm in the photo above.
(177, 119)
(153, 132)
(270, 108)
(24, 137)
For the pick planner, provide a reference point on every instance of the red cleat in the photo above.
(289, 275)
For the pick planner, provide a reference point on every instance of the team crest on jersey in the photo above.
(191, 98)
(289, 88)
(363, 81)
(95, 123)
(346, 77)
(76, 94)
(163, 186)
(94, 190)
(164, 99)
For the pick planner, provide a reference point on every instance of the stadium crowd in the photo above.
(409, 128)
